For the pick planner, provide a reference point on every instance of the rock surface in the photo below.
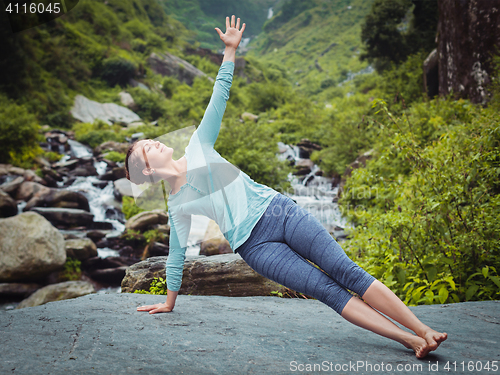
(57, 292)
(8, 206)
(30, 248)
(111, 146)
(123, 187)
(104, 334)
(86, 110)
(28, 189)
(214, 241)
(170, 65)
(221, 275)
(17, 289)
(60, 198)
(81, 249)
(12, 186)
(146, 219)
(66, 217)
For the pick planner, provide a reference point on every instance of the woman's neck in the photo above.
(176, 174)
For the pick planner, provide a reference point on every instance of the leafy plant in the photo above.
(158, 286)
(71, 271)
(18, 134)
(115, 156)
(289, 293)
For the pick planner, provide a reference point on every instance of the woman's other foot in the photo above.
(433, 338)
(418, 345)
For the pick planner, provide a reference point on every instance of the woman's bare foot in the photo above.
(433, 338)
(418, 345)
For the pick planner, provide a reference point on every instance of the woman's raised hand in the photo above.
(233, 34)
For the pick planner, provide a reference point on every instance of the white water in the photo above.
(314, 193)
(270, 13)
(99, 200)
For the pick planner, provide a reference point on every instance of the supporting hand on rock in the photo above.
(158, 308)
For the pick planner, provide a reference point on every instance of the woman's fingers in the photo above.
(238, 24)
(148, 307)
(242, 28)
(233, 18)
(219, 32)
(227, 23)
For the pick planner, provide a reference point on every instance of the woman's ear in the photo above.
(148, 171)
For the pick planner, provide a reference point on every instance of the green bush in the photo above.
(115, 156)
(426, 208)
(151, 105)
(116, 70)
(252, 148)
(72, 270)
(129, 208)
(97, 133)
(18, 134)
(158, 286)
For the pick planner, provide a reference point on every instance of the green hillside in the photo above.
(317, 42)
(202, 16)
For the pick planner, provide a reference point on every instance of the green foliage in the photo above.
(151, 105)
(52, 157)
(116, 70)
(18, 134)
(153, 235)
(403, 84)
(129, 208)
(252, 148)
(394, 29)
(158, 286)
(426, 207)
(71, 271)
(202, 16)
(115, 156)
(97, 133)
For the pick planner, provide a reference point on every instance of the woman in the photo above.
(270, 232)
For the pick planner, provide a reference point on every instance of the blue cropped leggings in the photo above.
(284, 237)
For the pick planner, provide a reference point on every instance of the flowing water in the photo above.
(102, 202)
(314, 193)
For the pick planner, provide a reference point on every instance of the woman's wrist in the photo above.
(229, 54)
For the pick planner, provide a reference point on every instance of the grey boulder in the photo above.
(8, 206)
(87, 110)
(30, 248)
(80, 249)
(57, 292)
(66, 217)
(146, 220)
(170, 65)
(220, 275)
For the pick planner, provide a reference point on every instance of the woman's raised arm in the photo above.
(208, 130)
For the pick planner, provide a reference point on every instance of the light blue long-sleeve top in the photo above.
(215, 188)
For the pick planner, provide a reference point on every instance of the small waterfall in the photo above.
(244, 42)
(78, 150)
(270, 13)
(314, 193)
(102, 202)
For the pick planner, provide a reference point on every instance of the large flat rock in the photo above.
(104, 334)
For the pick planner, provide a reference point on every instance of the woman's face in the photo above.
(154, 153)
